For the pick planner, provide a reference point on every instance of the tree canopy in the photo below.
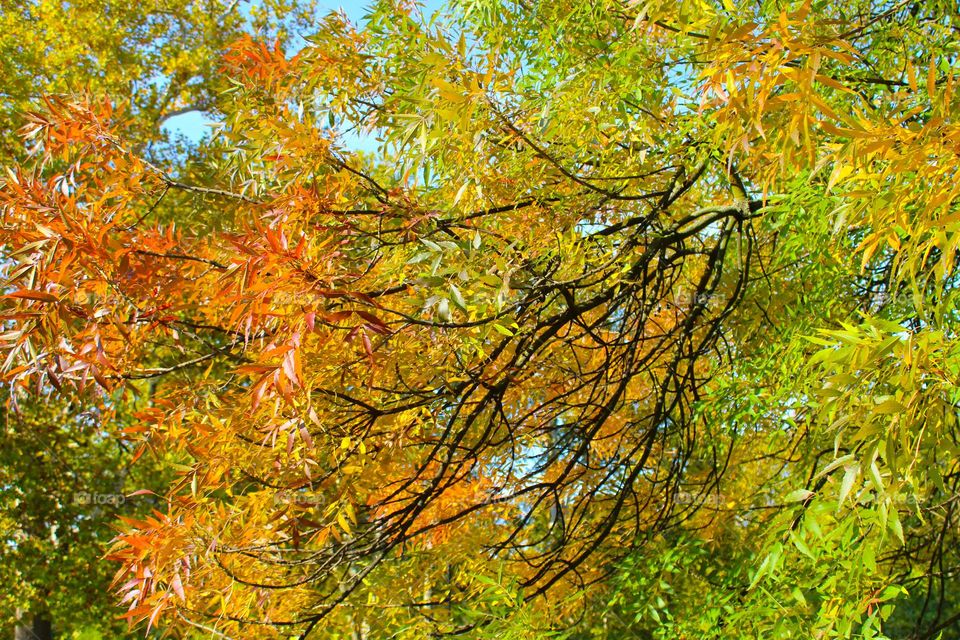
(639, 318)
(65, 476)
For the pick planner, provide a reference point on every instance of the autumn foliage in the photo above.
(606, 290)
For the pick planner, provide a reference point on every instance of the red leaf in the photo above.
(366, 343)
(336, 316)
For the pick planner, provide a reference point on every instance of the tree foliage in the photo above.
(66, 469)
(161, 57)
(64, 484)
(640, 318)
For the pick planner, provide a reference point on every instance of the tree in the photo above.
(622, 282)
(162, 58)
(64, 484)
(66, 467)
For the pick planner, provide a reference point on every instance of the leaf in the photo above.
(846, 485)
(767, 566)
(457, 297)
(838, 462)
(499, 328)
(430, 244)
(342, 521)
(177, 587)
(889, 406)
(893, 522)
(443, 310)
(460, 192)
(800, 544)
(28, 294)
(874, 472)
(798, 495)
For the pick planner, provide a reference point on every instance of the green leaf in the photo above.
(798, 495)
(457, 297)
(502, 329)
(846, 485)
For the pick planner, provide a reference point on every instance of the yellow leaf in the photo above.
(342, 521)
(911, 76)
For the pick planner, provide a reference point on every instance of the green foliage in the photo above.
(64, 482)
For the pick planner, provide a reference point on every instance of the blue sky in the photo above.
(195, 124)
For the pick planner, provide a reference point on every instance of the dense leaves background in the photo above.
(638, 321)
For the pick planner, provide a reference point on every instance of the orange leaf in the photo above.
(30, 294)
